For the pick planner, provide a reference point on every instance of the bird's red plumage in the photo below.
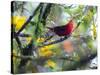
(69, 28)
(63, 30)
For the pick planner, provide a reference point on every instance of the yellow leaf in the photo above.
(40, 40)
(50, 63)
(94, 31)
(45, 52)
(14, 53)
(18, 21)
(28, 39)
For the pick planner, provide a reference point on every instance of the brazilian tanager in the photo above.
(64, 30)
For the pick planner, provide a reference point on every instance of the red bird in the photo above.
(63, 30)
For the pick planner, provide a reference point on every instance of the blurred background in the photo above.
(35, 48)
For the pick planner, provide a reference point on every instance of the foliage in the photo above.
(34, 49)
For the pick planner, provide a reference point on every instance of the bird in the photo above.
(63, 30)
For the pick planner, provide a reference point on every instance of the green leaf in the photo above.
(86, 21)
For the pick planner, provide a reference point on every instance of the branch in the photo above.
(24, 35)
(14, 34)
(19, 43)
(41, 58)
(56, 41)
(24, 25)
(45, 13)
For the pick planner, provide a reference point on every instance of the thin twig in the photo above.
(57, 41)
(24, 35)
(19, 43)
